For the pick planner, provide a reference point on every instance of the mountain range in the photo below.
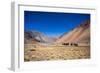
(79, 34)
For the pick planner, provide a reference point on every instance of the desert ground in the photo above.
(56, 52)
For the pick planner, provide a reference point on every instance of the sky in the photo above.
(53, 23)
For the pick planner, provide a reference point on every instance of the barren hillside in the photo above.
(79, 34)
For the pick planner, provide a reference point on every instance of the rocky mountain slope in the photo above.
(79, 34)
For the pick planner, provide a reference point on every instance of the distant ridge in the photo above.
(35, 36)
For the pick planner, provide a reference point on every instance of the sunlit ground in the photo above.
(42, 53)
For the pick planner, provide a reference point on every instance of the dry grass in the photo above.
(56, 53)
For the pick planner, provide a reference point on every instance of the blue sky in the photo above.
(52, 23)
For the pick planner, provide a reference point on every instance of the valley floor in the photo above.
(56, 53)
